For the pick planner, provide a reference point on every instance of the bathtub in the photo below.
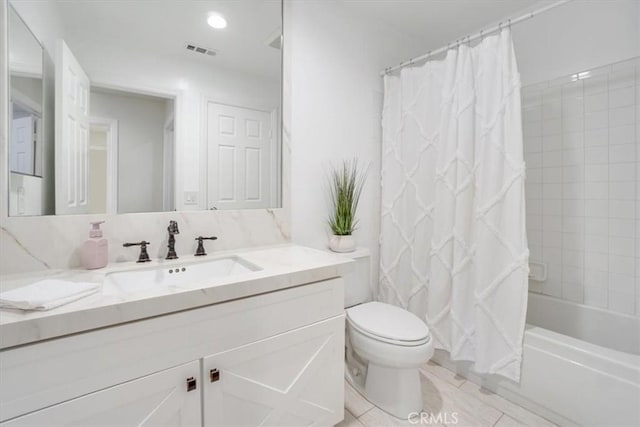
(581, 365)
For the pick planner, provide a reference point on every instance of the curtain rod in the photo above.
(468, 39)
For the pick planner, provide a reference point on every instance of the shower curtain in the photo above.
(453, 246)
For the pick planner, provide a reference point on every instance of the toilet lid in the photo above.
(388, 321)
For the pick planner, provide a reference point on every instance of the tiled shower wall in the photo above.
(582, 150)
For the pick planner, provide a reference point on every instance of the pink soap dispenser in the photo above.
(94, 253)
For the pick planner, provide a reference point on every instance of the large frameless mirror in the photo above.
(144, 106)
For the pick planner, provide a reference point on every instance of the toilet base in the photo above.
(396, 391)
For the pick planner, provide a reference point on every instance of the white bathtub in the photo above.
(573, 379)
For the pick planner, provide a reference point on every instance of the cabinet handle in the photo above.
(191, 384)
(214, 375)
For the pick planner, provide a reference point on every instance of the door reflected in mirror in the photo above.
(110, 116)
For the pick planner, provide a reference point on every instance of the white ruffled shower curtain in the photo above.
(453, 247)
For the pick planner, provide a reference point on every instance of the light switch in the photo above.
(190, 197)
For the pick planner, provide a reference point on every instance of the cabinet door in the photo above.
(160, 399)
(291, 379)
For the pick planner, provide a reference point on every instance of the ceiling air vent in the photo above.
(200, 49)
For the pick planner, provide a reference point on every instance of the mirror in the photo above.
(143, 106)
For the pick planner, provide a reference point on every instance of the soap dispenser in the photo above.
(94, 253)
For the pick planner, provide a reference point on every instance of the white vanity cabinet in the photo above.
(271, 359)
(163, 399)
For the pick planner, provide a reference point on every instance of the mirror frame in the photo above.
(282, 211)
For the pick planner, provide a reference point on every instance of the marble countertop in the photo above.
(282, 266)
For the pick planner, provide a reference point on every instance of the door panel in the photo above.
(22, 137)
(241, 152)
(156, 400)
(72, 134)
(287, 380)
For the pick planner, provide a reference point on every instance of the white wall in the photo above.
(140, 146)
(335, 113)
(576, 36)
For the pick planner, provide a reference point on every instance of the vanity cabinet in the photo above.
(160, 399)
(271, 359)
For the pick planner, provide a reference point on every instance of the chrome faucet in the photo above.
(173, 230)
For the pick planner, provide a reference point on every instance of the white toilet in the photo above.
(385, 346)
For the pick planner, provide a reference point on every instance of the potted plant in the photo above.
(345, 186)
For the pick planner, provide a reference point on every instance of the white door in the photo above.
(22, 144)
(72, 134)
(160, 399)
(287, 380)
(241, 157)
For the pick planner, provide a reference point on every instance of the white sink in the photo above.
(175, 275)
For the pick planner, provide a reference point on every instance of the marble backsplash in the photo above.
(53, 242)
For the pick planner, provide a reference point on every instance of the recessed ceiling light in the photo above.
(216, 21)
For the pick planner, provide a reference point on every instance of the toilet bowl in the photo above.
(386, 345)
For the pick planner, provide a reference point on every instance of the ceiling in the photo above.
(434, 23)
(162, 28)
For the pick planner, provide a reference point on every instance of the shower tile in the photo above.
(622, 283)
(622, 79)
(596, 120)
(573, 123)
(621, 227)
(533, 190)
(573, 173)
(552, 158)
(573, 224)
(596, 261)
(622, 116)
(596, 296)
(596, 102)
(551, 191)
(552, 175)
(597, 244)
(622, 135)
(573, 259)
(533, 160)
(571, 275)
(574, 207)
(622, 190)
(551, 126)
(622, 208)
(622, 97)
(596, 208)
(622, 265)
(596, 190)
(622, 172)
(573, 292)
(535, 252)
(622, 303)
(596, 226)
(534, 175)
(596, 84)
(596, 137)
(531, 131)
(622, 153)
(552, 255)
(552, 207)
(573, 140)
(532, 143)
(532, 113)
(596, 155)
(534, 207)
(552, 223)
(596, 173)
(622, 246)
(552, 142)
(534, 222)
(573, 157)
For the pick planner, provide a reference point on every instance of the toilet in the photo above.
(385, 346)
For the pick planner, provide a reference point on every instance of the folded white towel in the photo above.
(46, 294)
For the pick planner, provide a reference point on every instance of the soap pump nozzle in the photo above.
(95, 229)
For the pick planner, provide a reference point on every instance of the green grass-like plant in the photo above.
(346, 183)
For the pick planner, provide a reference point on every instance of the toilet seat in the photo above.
(389, 324)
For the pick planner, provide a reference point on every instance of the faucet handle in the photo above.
(144, 256)
(200, 251)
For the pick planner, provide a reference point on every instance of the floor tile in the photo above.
(518, 413)
(506, 421)
(354, 402)
(441, 397)
(378, 418)
(443, 373)
(349, 421)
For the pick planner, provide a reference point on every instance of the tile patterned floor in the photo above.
(444, 392)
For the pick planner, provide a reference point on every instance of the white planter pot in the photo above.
(342, 243)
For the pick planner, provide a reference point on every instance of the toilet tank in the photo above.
(357, 286)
